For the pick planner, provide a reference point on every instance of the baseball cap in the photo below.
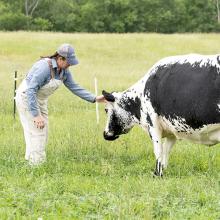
(67, 51)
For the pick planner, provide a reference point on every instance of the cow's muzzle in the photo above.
(110, 137)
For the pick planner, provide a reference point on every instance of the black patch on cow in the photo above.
(187, 91)
(132, 105)
(116, 126)
(149, 120)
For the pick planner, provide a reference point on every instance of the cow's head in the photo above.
(119, 120)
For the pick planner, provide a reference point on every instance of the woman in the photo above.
(45, 76)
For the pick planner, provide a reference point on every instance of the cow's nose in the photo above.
(105, 135)
(109, 137)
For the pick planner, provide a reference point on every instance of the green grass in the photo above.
(86, 177)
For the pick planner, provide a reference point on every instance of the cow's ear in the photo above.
(108, 96)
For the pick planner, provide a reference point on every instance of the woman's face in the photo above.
(62, 63)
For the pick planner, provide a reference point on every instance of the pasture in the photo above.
(86, 177)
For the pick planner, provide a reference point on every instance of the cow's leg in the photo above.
(156, 136)
(167, 145)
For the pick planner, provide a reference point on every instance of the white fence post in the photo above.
(97, 105)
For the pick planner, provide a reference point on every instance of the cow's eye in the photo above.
(106, 110)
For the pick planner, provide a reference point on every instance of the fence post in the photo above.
(15, 87)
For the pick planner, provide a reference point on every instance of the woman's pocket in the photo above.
(21, 101)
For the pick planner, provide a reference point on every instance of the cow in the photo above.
(178, 98)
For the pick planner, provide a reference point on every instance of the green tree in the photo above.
(164, 16)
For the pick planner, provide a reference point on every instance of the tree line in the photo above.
(120, 16)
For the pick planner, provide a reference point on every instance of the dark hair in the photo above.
(55, 56)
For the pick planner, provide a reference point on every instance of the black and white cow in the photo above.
(179, 98)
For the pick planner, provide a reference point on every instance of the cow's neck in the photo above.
(131, 101)
(135, 91)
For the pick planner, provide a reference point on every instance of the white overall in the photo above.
(35, 138)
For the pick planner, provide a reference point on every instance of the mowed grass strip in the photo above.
(86, 177)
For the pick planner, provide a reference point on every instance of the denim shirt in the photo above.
(39, 75)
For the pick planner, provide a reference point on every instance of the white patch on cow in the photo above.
(192, 59)
(122, 115)
(117, 95)
(109, 107)
(208, 135)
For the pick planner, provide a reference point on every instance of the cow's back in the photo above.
(186, 87)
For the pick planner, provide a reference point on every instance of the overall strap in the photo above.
(52, 74)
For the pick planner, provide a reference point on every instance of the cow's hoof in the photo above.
(157, 175)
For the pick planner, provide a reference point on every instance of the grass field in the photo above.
(86, 177)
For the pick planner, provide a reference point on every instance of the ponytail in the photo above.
(54, 56)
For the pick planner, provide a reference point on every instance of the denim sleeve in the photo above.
(77, 89)
(40, 73)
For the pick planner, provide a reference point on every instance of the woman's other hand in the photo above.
(39, 121)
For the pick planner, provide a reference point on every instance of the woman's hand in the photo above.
(100, 98)
(39, 121)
